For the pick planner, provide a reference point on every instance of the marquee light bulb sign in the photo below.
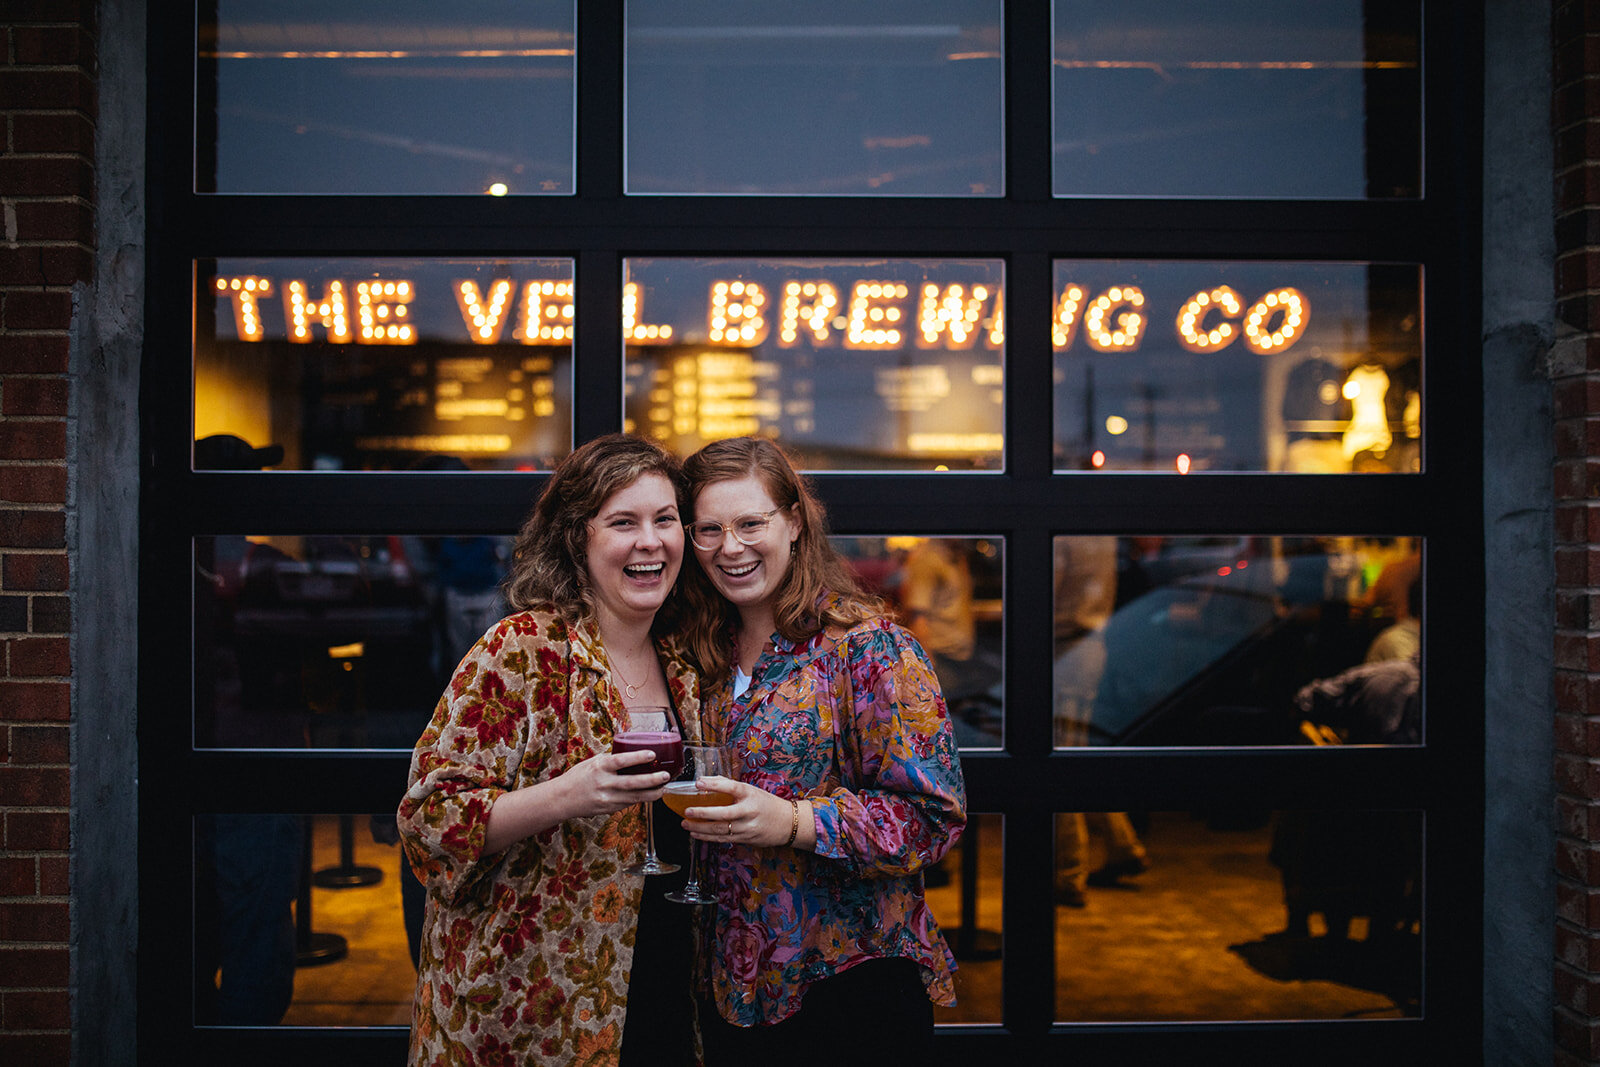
(863, 314)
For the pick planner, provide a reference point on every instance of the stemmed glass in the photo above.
(699, 761)
(654, 729)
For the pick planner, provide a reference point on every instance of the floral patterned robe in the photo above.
(854, 720)
(526, 953)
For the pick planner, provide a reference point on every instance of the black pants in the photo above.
(875, 1013)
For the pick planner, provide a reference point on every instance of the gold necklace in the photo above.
(631, 689)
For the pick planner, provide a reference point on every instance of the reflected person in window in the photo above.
(517, 815)
(849, 783)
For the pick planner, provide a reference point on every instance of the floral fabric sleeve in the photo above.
(897, 747)
(474, 750)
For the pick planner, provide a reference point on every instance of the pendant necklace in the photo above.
(631, 689)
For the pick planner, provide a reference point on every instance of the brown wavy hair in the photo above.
(819, 589)
(550, 561)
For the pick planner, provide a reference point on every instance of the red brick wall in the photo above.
(47, 113)
(1576, 122)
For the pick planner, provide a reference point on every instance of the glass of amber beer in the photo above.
(683, 793)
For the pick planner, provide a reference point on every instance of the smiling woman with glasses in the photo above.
(848, 784)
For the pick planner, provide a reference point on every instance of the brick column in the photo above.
(1576, 123)
(46, 219)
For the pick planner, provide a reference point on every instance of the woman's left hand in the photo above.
(756, 817)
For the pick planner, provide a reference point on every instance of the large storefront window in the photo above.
(1209, 366)
(386, 96)
(853, 365)
(1238, 99)
(1141, 526)
(827, 98)
(418, 364)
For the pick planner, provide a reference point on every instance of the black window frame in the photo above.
(1028, 504)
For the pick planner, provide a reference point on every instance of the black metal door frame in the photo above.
(1027, 504)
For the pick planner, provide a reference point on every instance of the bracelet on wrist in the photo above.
(794, 822)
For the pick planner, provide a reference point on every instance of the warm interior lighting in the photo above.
(497, 189)
(1116, 425)
(1183, 463)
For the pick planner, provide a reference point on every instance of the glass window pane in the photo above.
(949, 592)
(383, 364)
(1201, 641)
(335, 641)
(1293, 100)
(1236, 915)
(386, 96)
(1210, 366)
(965, 894)
(868, 365)
(900, 98)
(304, 920)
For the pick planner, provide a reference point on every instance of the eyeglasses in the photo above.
(746, 529)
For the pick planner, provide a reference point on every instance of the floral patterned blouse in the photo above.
(852, 719)
(525, 954)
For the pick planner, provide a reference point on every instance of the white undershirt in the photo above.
(741, 682)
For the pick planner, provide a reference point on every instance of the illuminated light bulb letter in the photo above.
(1288, 308)
(485, 316)
(546, 313)
(874, 315)
(243, 293)
(737, 314)
(382, 314)
(956, 312)
(1110, 328)
(331, 312)
(634, 330)
(997, 322)
(1069, 310)
(807, 306)
(1193, 333)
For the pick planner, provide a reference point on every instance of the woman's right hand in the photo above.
(595, 786)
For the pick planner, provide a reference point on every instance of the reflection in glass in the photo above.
(385, 364)
(1156, 98)
(304, 920)
(1237, 641)
(386, 96)
(948, 592)
(1210, 366)
(1240, 915)
(334, 641)
(851, 364)
(964, 895)
(833, 97)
